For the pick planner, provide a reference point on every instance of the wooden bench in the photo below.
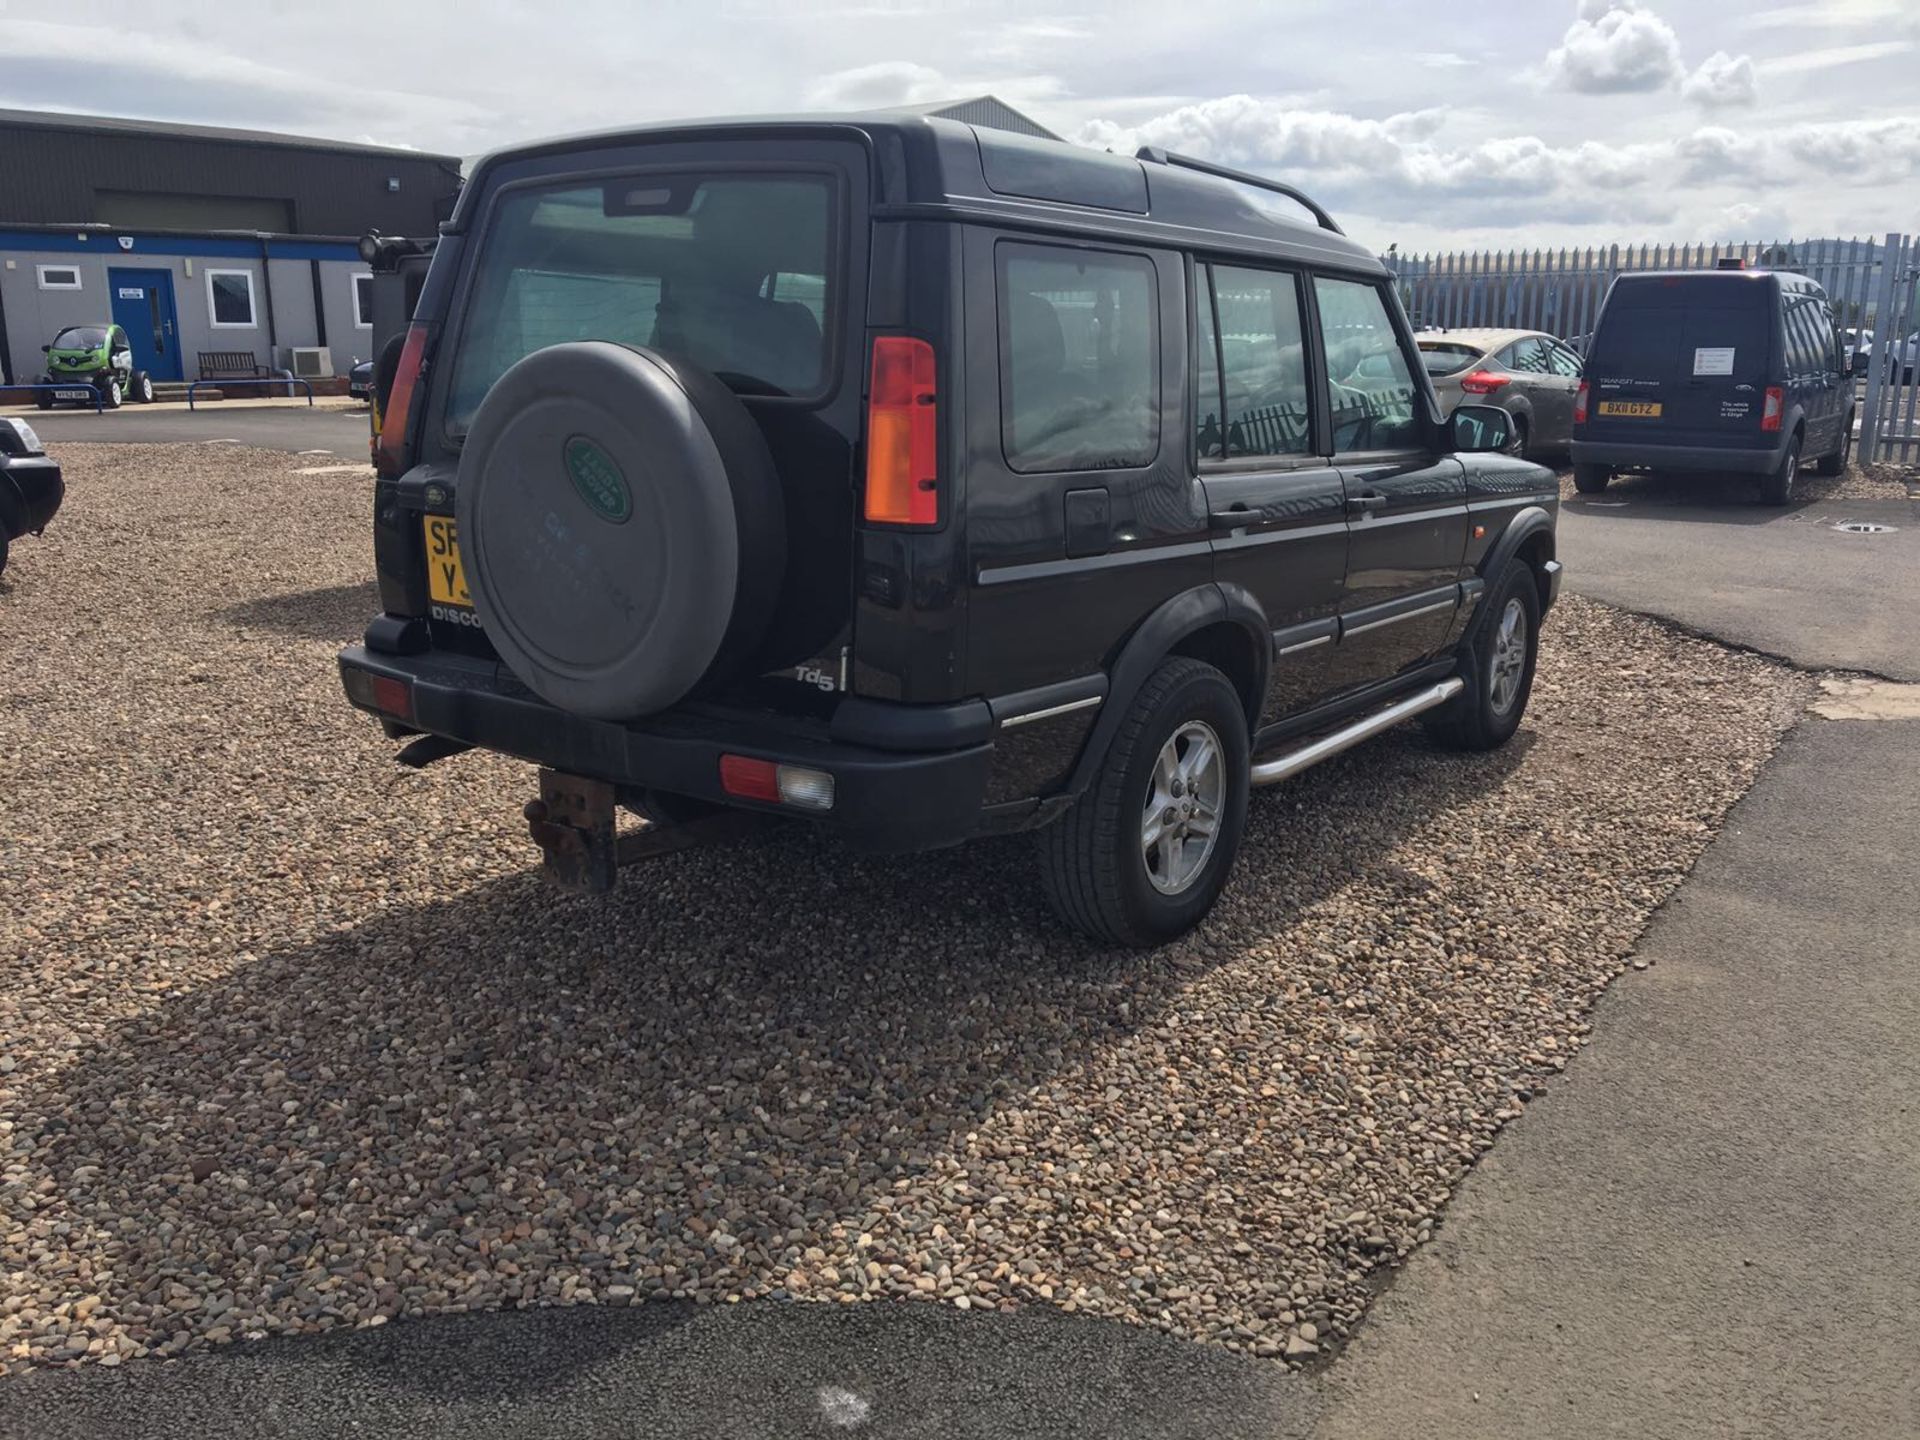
(231, 365)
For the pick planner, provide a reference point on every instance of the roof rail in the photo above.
(1259, 182)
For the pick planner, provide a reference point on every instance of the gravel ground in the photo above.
(296, 1040)
(1856, 482)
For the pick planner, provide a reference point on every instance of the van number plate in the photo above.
(1633, 409)
(446, 577)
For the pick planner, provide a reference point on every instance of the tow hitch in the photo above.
(573, 824)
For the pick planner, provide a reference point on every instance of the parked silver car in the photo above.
(1530, 375)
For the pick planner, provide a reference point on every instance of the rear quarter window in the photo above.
(1079, 361)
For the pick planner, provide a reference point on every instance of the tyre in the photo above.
(1591, 479)
(3, 552)
(1497, 665)
(111, 394)
(42, 400)
(1836, 463)
(1777, 488)
(1143, 854)
(142, 387)
(1522, 437)
(596, 615)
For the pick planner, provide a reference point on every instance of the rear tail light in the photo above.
(1774, 408)
(903, 479)
(776, 784)
(1580, 404)
(384, 694)
(1484, 382)
(390, 450)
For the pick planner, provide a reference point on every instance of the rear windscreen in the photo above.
(1663, 328)
(1445, 359)
(731, 273)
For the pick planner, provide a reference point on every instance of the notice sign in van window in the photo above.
(1715, 361)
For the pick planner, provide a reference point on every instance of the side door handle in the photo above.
(1232, 518)
(1365, 504)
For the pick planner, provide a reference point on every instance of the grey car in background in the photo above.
(1530, 375)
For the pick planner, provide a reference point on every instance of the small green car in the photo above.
(96, 357)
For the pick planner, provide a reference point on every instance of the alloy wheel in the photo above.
(1508, 662)
(1181, 819)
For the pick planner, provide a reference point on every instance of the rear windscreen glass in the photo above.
(1445, 359)
(731, 273)
(1665, 330)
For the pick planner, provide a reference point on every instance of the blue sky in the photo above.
(1560, 121)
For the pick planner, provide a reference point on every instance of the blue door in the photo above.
(143, 307)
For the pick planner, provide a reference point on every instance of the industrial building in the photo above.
(199, 241)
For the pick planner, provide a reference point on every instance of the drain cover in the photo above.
(1865, 527)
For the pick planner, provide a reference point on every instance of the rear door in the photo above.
(1276, 501)
(1082, 513)
(1406, 503)
(1531, 361)
(745, 258)
(1684, 360)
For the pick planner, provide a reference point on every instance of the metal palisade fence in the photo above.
(1871, 285)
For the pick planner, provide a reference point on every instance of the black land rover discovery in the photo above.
(924, 482)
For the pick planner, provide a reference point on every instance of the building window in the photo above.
(58, 277)
(230, 299)
(363, 301)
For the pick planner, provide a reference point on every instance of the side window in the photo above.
(1800, 349)
(1526, 357)
(1264, 362)
(1372, 391)
(1209, 416)
(1563, 361)
(1079, 367)
(1820, 321)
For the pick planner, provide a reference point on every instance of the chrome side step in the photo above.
(1285, 767)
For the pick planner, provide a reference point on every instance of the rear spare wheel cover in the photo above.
(597, 529)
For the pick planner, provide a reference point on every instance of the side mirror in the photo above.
(1479, 429)
(44, 349)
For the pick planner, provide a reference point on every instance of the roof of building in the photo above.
(126, 125)
(988, 110)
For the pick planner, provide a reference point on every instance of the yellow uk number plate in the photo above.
(446, 579)
(1632, 409)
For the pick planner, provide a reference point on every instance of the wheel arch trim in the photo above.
(1176, 619)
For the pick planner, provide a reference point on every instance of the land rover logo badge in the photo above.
(598, 480)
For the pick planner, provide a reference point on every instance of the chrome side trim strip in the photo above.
(1050, 712)
(1446, 604)
(1285, 767)
(1299, 645)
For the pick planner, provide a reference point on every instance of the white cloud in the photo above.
(872, 87)
(1834, 55)
(1400, 169)
(1722, 80)
(1615, 47)
(1444, 60)
(1828, 12)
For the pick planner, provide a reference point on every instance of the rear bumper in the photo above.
(1704, 459)
(883, 799)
